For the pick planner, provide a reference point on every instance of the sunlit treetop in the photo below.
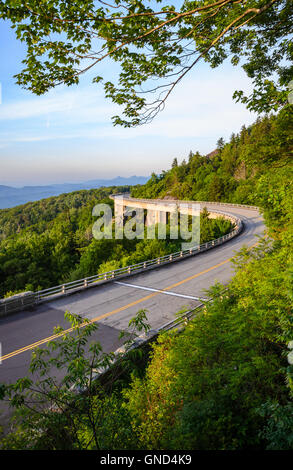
(156, 44)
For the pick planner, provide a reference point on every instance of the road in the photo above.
(113, 305)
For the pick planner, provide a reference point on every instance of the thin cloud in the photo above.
(71, 103)
(201, 107)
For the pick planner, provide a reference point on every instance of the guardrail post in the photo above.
(144, 264)
(113, 274)
(63, 289)
(159, 261)
(170, 258)
(105, 276)
(85, 283)
(129, 270)
(181, 254)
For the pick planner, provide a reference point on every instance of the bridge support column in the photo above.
(151, 224)
(174, 224)
(161, 217)
(150, 218)
(161, 220)
(119, 217)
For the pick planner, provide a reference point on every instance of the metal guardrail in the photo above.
(17, 302)
(23, 301)
(172, 201)
(140, 341)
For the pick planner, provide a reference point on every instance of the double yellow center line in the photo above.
(109, 314)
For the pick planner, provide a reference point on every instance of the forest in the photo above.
(238, 171)
(48, 242)
(223, 383)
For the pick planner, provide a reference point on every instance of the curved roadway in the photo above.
(113, 305)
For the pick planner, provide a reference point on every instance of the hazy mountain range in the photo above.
(10, 196)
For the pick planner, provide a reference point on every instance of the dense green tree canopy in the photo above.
(44, 243)
(254, 167)
(156, 45)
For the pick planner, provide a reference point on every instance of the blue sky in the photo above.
(67, 134)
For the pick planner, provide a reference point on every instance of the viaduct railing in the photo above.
(172, 201)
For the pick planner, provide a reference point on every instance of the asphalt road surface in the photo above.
(112, 305)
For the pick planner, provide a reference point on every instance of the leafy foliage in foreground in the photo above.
(61, 405)
(156, 44)
(206, 388)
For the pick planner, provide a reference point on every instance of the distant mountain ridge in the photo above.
(11, 196)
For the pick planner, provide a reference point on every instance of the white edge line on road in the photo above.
(159, 290)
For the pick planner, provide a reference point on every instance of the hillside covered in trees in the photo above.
(48, 242)
(252, 168)
(226, 381)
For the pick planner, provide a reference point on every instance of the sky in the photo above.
(67, 135)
